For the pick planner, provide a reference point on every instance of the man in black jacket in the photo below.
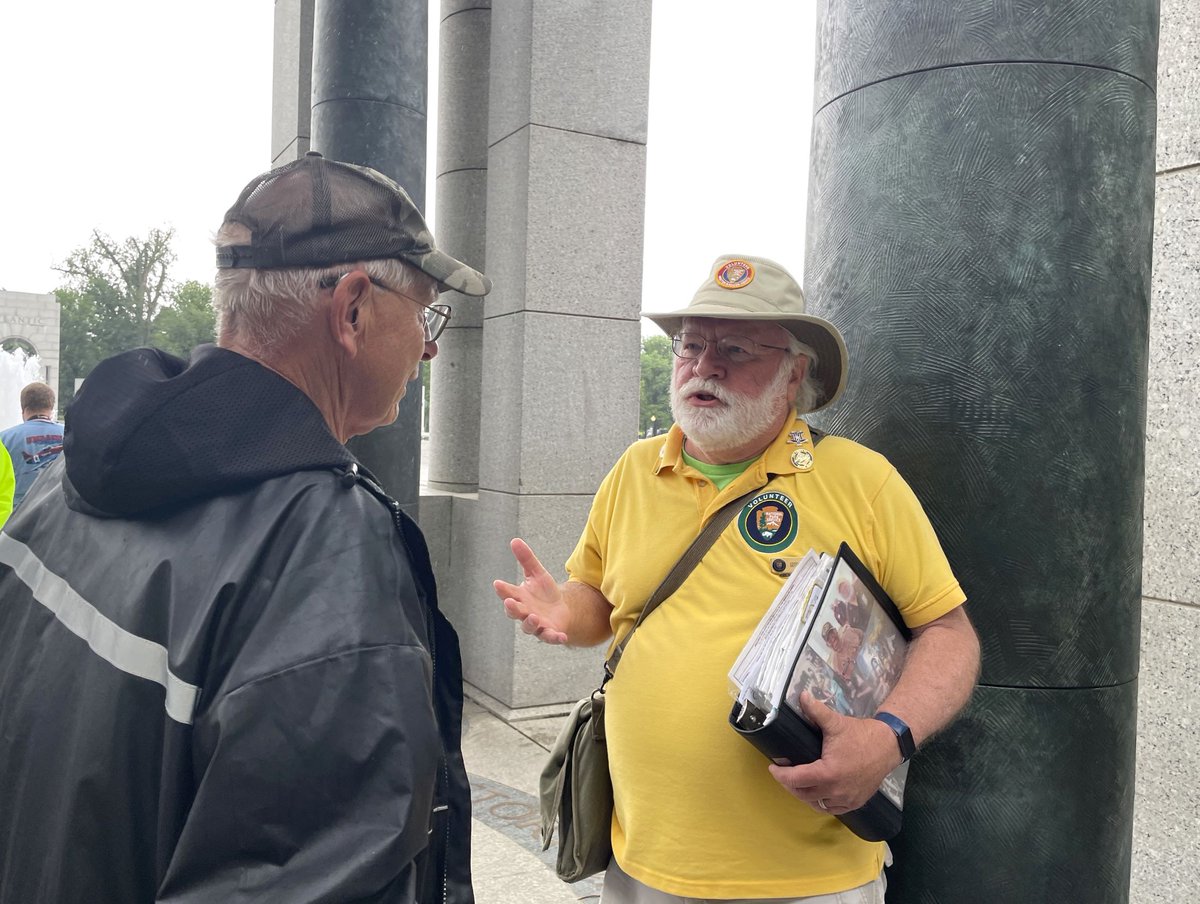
(223, 672)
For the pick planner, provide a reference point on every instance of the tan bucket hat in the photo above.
(744, 287)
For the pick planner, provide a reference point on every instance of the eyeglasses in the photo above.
(734, 349)
(436, 315)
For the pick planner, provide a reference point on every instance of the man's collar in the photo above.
(790, 452)
(670, 454)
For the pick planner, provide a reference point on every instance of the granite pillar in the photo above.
(980, 218)
(456, 374)
(291, 87)
(1165, 867)
(565, 193)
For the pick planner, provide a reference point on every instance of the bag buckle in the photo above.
(597, 718)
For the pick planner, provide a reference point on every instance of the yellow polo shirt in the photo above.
(696, 812)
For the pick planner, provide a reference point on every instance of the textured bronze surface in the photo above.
(864, 41)
(980, 226)
(1027, 801)
(369, 88)
(982, 237)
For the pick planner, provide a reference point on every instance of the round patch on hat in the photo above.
(768, 522)
(735, 274)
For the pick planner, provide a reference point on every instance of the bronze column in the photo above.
(369, 100)
(980, 218)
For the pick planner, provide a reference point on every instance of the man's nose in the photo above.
(709, 364)
(431, 350)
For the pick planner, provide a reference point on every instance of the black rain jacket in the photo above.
(223, 673)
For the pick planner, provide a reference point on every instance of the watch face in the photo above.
(903, 733)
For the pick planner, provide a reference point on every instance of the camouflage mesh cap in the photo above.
(743, 287)
(315, 212)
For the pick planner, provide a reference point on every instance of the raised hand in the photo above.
(537, 602)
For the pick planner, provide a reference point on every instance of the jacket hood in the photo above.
(148, 430)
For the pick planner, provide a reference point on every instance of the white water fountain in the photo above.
(17, 370)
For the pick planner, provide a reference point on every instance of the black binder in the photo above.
(854, 686)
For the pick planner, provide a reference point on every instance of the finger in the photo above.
(551, 636)
(504, 590)
(818, 713)
(526, 559)
(530, 624)
(519, 612)
(803, 791)
(515, 609)
(802, 780)
(528, 621)
(533, 625)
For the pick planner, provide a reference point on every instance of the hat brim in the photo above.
(452, 275)
(824, 338)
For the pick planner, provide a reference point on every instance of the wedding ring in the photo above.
(822, 803)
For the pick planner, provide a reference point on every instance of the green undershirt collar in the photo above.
(720, 475)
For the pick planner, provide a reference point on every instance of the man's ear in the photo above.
(800, 370)
(346, 316)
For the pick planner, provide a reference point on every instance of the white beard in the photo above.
(743, 418)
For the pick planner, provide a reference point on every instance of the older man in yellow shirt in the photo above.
(699, 814)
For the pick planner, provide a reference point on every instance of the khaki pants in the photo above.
(620, 888)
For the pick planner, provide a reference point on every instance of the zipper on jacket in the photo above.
(444, 770)
(351, 476)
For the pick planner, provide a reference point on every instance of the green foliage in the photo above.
(187, 321)
(78, 346)
(14, 344)
(656, 384)
(130, 280)
(119, 295)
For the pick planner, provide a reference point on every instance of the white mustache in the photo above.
(709, 387)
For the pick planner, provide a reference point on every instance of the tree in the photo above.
(118, 296)
(656, 384)
(132, 275)
(79, 346)
(187, 321)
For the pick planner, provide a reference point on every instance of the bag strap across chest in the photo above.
(677, 575)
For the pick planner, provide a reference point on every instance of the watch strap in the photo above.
(903, 733)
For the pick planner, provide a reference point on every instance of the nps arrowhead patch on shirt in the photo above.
(768, 522)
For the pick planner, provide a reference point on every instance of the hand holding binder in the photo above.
(856, 756)
(841, 645)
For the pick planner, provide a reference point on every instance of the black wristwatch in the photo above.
(903, 734)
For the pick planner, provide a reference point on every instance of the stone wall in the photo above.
(1165, 869)
(33, 318)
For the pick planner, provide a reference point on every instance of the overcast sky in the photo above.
(126, 115)
(731, 88)
(132, 114)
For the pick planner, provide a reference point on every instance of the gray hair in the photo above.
(810, 393)
(265, 309)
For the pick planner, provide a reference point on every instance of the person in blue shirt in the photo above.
(6, 488)
(35, 442)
